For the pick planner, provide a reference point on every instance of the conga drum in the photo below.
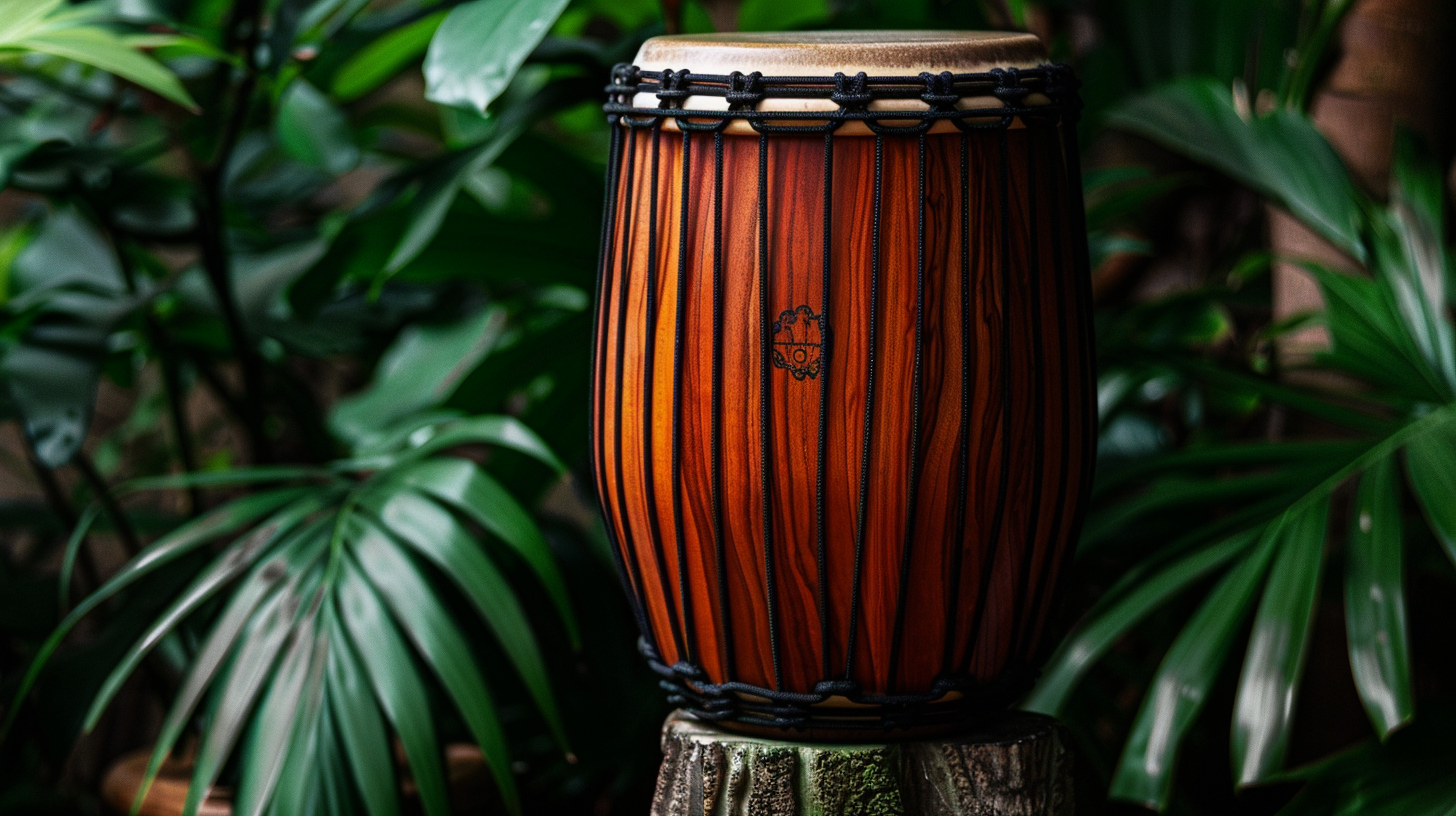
(843, 405)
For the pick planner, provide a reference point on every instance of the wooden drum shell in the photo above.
(843, 413)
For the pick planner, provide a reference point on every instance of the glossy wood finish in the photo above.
(889, 500)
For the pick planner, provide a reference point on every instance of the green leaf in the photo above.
(382, 59)
(99, 48)
(470, 490)
(481, 45)
(1179, 689)
(421, 369)
(1410, 775)
(397, 685)
(499, 430)
(251, 669)
(1264, 707)
(284, 723)
(1370, 337)
(163, 551)
(415, 605)
(1410, 256)
(1431, 465)
(436, 534)
(53, 390)
(311, 129)
(252, 601)
(1182, 491)
(1375, 601)
(361, 729)
(1280, 154)
(227, 566)
(1130, 602)
(438, 186)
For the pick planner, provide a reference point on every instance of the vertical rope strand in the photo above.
(650, 399)
(825, 352)
(715, 440)
(598, 401)
(633, 563)
(957, 553)
(689, 635)
(993, 539)
(1069, 375)
(1038, 393)
(869, 424)
(765, 428)
(913, 492)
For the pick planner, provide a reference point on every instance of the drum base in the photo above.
(1019, 764)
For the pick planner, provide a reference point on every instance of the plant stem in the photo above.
(56, 498)
(171, 381)
(212, 225)
(108, 503)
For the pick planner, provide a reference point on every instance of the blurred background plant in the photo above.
(294, 307)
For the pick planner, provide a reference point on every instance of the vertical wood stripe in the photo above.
(903, 510)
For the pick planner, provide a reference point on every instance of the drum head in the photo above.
(824, 53)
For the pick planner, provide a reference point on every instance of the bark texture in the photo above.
(1018, 766)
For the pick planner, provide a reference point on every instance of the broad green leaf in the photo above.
(1432, 471)
(1410, 775)
(333, 778)
(53, 390)
(73, 551)
(382, 59)
(231, 563)
(1370, 338)
(501, 431)
(69, 252)
(439, 642)
(18, 18)
(470, 490)
(788, 15)
(1180, 491)
(1279, 154)
(253, 600)
(1179, 689)
(250, 670)
(480, 46)
(284, 723)
(225, 478)
(99, 48)
(397, 684)
(361, 729)
(1128, 604)
(1264, 706)
(164, 550)
(438, 187)
(313, 130)
(421, 369)
(1297, 399)
(436, 534)
(1410, 256)
(1375, 601)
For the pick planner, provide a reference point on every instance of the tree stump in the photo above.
(1017, 766)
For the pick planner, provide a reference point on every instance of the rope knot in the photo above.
(674, 89)
(939, 90)
(624, 79)
(1008, 86)
(851, 93)
(744, 90)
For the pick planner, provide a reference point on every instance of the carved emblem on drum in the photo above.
(798, 341)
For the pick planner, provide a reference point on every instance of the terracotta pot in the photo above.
(465, 769)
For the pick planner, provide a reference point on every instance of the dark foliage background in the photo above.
(295, 298)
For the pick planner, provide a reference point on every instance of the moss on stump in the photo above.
(1018, 766)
